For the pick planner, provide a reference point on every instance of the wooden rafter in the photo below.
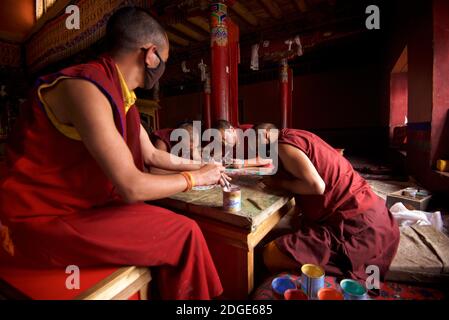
(244, 13)
(177, 39)
(196, 28)
(188, 31)
(200, 22)
(273, 8)
(182, 35)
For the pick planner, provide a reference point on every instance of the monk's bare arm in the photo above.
(90, 113)
(157, 158)
(160, 145)
(257, 162)
(307, 179)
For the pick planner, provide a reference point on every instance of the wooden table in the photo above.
(232, 237)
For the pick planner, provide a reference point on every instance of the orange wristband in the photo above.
(192, 179)
(188, 178)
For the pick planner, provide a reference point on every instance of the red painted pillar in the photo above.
(220, 61)
(284, 89)
(207, 118)
(234, 60)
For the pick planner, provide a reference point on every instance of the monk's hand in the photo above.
(238, 163)
(225, 181)
(209, 174)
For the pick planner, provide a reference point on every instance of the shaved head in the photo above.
(131, 28)
(222, 125)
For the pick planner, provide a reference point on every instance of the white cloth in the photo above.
(405, 217)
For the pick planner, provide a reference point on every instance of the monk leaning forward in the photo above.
(343, 227)
(75, 186)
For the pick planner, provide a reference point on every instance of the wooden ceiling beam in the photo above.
(177, 39)
(201, 22)
(181, 27)
(244, 13)
(273, 8)
(197, 29)
(182, 35)
(311, 42)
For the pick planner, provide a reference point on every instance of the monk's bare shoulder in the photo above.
(70, 95)
(286, 149)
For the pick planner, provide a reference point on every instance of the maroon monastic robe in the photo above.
(348, 227)
(62, 210)
(164, 136)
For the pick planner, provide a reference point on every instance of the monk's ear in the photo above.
(151, 60)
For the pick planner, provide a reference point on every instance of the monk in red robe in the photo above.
(185, 143)
(343, 226)
(187, 137)
(75, 188)
(161, 139)
(237, 150)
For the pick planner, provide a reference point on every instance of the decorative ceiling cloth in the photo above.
(54, 42)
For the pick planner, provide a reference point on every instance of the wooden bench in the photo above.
(124, 284)
(110, 283)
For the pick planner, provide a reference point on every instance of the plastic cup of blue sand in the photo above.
(282, 284)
